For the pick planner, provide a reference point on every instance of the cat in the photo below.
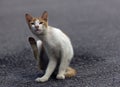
(54, 43)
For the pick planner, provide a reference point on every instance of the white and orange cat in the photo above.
(55, 44)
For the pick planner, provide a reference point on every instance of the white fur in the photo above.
(57, 45)
(39, 29)
(39, 45)
(37, 23)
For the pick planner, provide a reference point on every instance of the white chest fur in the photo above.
(57, 41)
(58, 47)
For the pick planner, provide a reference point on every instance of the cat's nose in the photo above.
(36, 27)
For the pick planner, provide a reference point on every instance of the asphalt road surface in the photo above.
(92, 25)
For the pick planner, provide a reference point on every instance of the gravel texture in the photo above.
(92, 25)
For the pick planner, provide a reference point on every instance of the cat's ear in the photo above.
(28, 17)
(45, 16)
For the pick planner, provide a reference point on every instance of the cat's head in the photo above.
(37, 25)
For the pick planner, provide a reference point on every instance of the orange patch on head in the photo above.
(45, 16)
(43, 19)
(28, 19)
(44, 22)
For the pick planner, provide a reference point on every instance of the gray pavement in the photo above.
(92, 25)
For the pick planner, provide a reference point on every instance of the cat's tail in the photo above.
(70, 72)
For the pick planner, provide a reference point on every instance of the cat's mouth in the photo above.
(38, 31)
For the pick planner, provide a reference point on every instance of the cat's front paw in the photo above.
(42, 79)
(60, 76)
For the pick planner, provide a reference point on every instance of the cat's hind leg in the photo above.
(65, 61)
(37, 50)
(33, 44)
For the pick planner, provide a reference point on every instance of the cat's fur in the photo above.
(55, 44)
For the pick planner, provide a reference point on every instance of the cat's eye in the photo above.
(41, 23)
(32, 23)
